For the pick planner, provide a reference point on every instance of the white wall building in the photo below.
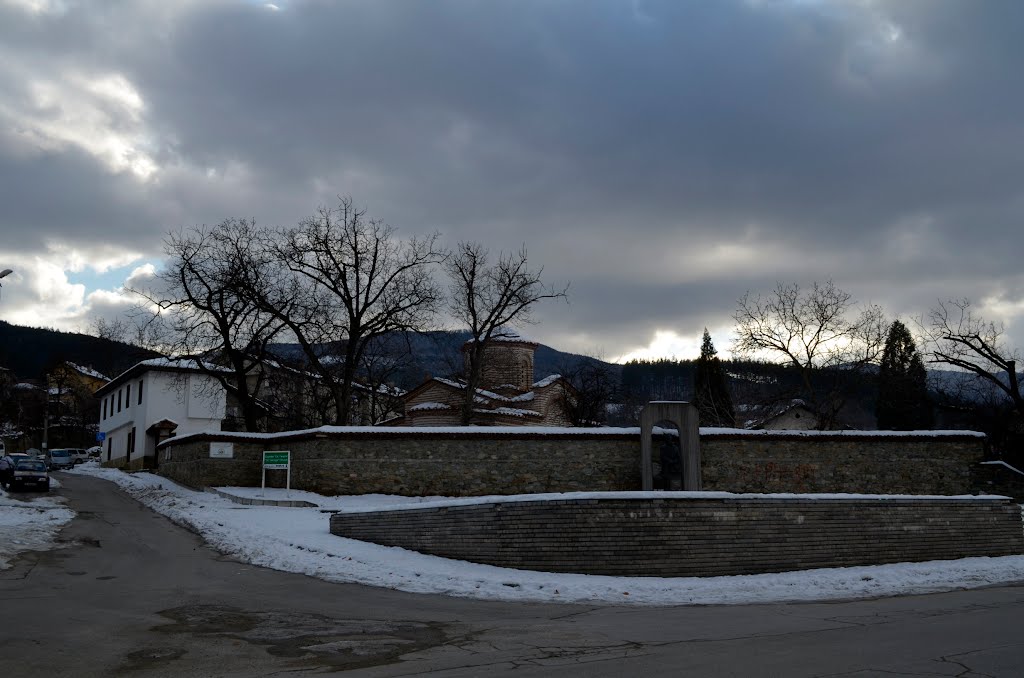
(152, 401)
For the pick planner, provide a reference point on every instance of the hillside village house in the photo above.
(153, 401)
(289, 398)
(508, 394)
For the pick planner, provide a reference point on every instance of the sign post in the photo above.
(277, 459)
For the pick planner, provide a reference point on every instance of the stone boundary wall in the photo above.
(485, 461)
(684, 537)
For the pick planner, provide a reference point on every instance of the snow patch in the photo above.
(31, 524)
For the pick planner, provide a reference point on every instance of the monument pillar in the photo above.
(684, 416)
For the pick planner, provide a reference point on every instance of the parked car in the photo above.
(30, 472)
(95, 452)
(59, 459)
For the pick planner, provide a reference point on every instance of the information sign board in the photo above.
(276, 459)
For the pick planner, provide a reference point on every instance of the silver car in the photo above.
(59, 459)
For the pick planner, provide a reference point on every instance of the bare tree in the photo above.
(205, 308)
(955, 336)
(117, 329)
(344, 281)
(488, 298)
(381, 365)
(593, 385)
(818, 333)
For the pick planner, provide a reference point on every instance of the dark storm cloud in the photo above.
(663, 156)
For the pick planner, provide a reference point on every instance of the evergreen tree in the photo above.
(710, 393)
(903, 403)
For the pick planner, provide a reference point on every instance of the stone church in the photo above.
(507, 396)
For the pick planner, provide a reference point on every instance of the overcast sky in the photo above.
(663, 157)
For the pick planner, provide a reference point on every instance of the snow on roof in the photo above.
(510, 411)
(547, 381)
(183, 364)
(87, 371)
(505, 334)
(429, 406)
(1003, 463)
(483, 395)
(25, 386)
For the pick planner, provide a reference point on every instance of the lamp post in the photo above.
(4, 273)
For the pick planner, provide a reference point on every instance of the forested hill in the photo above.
(30, 351)
(438, 354)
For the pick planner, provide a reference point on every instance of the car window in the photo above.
(59, 453)
(30, 465)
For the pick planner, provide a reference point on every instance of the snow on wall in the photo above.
(495, 431)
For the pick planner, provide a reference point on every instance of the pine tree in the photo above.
(710, 393)
(903, 403)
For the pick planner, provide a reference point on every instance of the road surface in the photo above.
(131, 594)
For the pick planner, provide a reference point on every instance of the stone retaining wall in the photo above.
(680, 537)
(483, 461)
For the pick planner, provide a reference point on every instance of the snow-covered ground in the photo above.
(298, 540)
(30, 521)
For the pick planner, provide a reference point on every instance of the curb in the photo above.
(248, 501)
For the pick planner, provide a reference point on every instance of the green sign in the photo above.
(276, 459)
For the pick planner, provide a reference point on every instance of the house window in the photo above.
(110, 446)
(140, 391)
(104, 408)
(118, 400)
(128, 396)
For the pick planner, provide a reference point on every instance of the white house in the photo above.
(152, 401)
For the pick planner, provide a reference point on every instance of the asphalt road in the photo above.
(131, 594)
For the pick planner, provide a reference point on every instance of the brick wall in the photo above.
(697, 536)
(842, 463)
(418, 463)
(505, 461)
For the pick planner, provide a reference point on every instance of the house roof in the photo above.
(161, 365)
(87, 371)
(483, 395)
(777, 411)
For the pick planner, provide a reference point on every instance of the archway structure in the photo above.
(684, 415)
